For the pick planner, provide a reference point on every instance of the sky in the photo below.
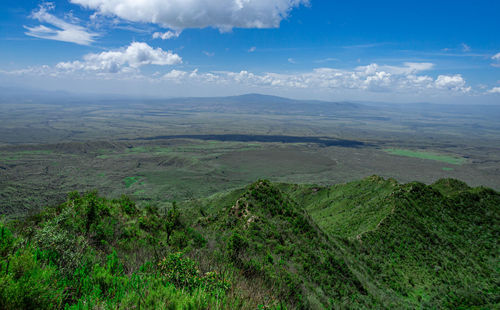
(444, 51)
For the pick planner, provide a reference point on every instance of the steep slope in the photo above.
(435, 250)
(414, 245)
(269, 238)
(346, 210)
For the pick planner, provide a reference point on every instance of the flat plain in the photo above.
(159, 151)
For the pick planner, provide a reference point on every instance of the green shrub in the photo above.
(180, 271)
(6, 241)
(127, 205)
(236, 245)
(184, 273)
(179, 240)
(28, 283)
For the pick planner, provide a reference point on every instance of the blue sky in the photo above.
(437, 51)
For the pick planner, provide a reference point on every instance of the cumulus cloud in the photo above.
(494, 90)
(452, 82)
(175, 75)
(59, 29)
(166, 35)
(137, 54)
(181, 14)
(372, 78)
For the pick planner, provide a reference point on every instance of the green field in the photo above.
(428, 155)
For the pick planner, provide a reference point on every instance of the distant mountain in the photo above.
(243, 104)
(265, 104)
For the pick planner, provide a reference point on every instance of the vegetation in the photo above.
(271, 240)
(93, 253)
(427, 155)
(129, 181)
(372, 243)
(415, 245)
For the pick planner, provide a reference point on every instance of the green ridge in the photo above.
(368, 244)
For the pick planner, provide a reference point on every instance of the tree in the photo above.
(172, 220)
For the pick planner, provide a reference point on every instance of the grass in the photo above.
(346, 210)
(129, 181)
(427, 155)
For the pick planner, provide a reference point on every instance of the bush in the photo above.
(179, 240)
(27, 283)
(180, 271)
(127, 205)
(183, 273)
(6, 241)
(236, 245)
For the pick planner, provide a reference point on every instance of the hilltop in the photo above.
(372, 243)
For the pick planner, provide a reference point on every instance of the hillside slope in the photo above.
(415, 245)
(367, 244)
(271, 240)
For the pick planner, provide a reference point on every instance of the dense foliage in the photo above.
(91, 253)
(367, 244)
(269, 238)
(414, 245)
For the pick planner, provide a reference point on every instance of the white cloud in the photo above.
(181, 14)
(137, 54)
(292, 61)
(452, 82)
(494, 90)
(175, 75)
(371, 78)
(406, 69)
(60, 30)
(166, 35)
(402, 81)
(252, 49)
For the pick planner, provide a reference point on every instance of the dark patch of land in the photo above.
(325, 141)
